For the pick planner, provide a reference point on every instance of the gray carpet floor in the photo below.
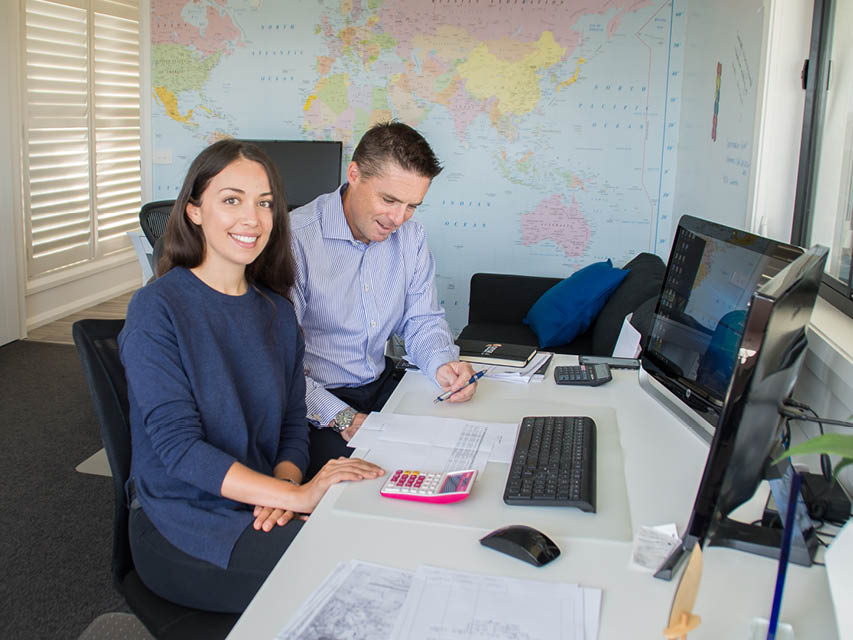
(55, 523)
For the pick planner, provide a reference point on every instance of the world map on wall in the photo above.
(554, 119)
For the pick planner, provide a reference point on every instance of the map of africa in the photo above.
(553, 118)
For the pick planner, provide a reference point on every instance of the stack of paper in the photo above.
(361, 600)
(520, 375)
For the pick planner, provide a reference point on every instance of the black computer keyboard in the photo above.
(553, 463)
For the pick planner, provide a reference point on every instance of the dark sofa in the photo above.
(499, 303)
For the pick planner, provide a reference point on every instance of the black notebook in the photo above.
(499, 353)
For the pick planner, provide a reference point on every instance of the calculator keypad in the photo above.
(415, 482)
(589, 375)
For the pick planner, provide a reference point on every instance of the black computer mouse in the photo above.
(522, 542)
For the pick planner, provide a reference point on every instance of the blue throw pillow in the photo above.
(568, 308)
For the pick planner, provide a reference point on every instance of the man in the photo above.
(364, 272)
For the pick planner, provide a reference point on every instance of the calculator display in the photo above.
(451, 484)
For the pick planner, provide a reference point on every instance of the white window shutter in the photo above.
(81, 148)
(116, 122)
(57, 177)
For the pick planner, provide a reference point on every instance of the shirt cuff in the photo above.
(323, 407)
(437, 360)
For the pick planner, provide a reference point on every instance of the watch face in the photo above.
(343, 419)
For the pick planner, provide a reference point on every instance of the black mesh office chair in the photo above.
(153, 217)
(97, 346)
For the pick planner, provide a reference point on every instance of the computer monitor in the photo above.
(690, 348)
(308, 168)
(748, 433)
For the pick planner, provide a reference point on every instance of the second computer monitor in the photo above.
(308, 168)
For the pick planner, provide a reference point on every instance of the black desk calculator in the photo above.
(590, 375)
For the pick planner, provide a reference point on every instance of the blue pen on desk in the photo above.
(444, 396)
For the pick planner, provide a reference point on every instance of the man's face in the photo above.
(378, 205)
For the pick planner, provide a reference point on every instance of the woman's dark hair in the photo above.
(183, 241)
(395, 142)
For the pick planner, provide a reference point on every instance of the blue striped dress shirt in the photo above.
(350, 297)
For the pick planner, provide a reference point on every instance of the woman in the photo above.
(213, 357)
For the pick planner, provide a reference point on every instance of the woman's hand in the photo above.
(290, 499)
(335, 471)
(268, 517)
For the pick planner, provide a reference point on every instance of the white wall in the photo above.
(714, 165)
(765, 204)
(10, 273)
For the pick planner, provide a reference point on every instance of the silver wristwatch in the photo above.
(343, 419)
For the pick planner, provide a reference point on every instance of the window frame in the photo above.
(816, 77)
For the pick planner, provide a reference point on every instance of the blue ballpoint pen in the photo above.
(444, 396)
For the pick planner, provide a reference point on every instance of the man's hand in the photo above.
(452, 377)
(349, 432)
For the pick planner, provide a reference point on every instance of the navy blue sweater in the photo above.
(212, 379)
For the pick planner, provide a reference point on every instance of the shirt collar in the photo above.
(335, 225)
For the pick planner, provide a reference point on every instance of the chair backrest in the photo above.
(97, 346)
(153, 217)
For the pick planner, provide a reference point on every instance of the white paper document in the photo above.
(628, 342)
(444, 604)
(357, 601)
(653, 545)
(437, 444)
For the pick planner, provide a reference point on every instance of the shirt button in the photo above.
(366, 287)
(373, 323)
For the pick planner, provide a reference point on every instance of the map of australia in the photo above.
(549, 117)
(552, 220)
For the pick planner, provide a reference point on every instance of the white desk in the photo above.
(663, 465)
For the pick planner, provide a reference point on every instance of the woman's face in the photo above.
(235, 215)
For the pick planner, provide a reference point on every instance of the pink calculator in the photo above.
(429, 487)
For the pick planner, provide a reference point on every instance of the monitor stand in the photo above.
(764, 540)
(755, 538)
(675, 406)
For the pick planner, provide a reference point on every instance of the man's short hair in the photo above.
(399, 143)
